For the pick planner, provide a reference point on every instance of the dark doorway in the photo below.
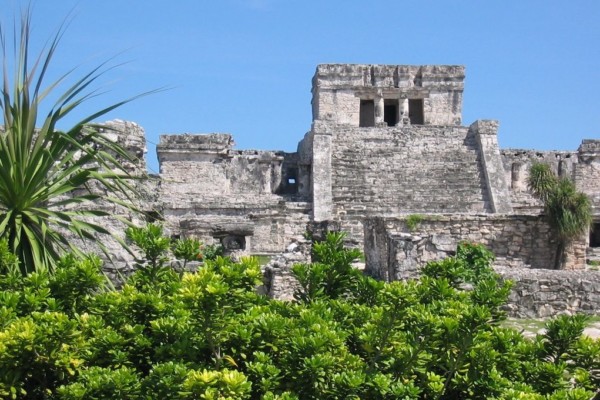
(289, 183)
(233, 242)
(595, 235)
(415, 111)
(367, 113)
(390, 112)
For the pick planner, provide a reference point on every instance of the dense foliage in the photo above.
(210, 335)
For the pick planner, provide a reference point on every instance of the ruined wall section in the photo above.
(395, 251)
(587, 172)
(516, 168)
(392, 171)
(545, 293)
(524, 249)
(117, 261)
(249, 200)
(339, 88)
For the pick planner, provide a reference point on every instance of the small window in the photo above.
(390, 112)
(415, 111)
(595, 235)
(234, 242)
(289, 183)
(367, 113)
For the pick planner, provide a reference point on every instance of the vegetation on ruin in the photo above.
(568, 211)
(413, 221)
(208, 334)
(46, 174)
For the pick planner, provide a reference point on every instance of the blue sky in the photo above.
(245, 66)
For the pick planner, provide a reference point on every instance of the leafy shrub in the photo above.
(8, 261)
(212, 251)
(152, 242)
(208, 334)
(331, 274)
(103, 384)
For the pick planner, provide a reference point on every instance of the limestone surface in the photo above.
(386, 142)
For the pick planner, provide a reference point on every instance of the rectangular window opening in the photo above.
(367, 113)
(289, 182)
(390, 112)
(415, 111)
(595, 235)
(233, 242)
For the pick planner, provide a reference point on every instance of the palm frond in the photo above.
(51, 179)
(541, 181)
(568, 210)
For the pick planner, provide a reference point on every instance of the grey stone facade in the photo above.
(395, 251)
(386, 142)
(541, 293)
(254, 201)
(523, 245)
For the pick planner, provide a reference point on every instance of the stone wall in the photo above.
(542, 293)
(486, 132)
(516, 164)
(248, 200)
(257, 230)
(393, 251)
(386, 172)
(582, 166)
(522, 245)
(117, 260)
(207, 167)
(339, 88)
(587, 173)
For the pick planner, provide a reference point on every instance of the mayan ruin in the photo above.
(388, 160)
(279, 200)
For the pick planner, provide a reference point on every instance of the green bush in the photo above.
(331, 274)
(209, 335)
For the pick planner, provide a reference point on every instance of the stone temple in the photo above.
(387, 145)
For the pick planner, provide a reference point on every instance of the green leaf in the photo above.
(45, 173)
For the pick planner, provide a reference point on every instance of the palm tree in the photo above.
(568, 211)
(46, 174)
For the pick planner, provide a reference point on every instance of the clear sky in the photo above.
(245, 66)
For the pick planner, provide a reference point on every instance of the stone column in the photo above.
(379, 110)
(265, 175)
(275, 175)
(321, 173)
(403, 118)
(303, 180)
(587, 171)
(516, 177)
